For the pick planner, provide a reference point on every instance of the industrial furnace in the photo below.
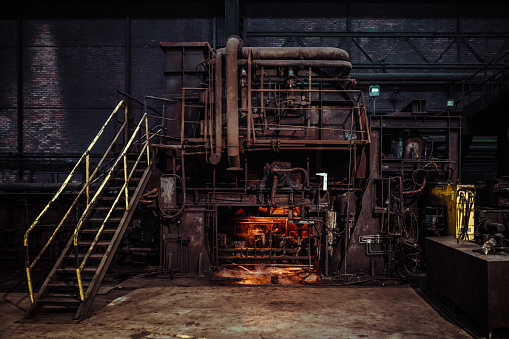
(258, 159)
(267, 156)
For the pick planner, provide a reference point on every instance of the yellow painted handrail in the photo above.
(69, 177)
(29, 266)
(99, 191)
(106, 219)
(45, 247)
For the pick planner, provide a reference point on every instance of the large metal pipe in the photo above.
(279, 53)
(233, 45)
(345, 65)
(218, 100)
(295, 53)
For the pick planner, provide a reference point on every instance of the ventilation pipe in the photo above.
(233, 46)
(260, 56)
(218, 99)
(291, 53)
(295, 53)
(345, 66)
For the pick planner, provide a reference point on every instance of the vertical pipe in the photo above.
(182, 117)
(200, 258)
(249, 113)
(210, 102)
(262, 100)
(232, 104)
(216, 244)
(219, 105)
(203, 124)
(309, 246)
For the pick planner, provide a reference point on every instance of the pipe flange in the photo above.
(241, 43)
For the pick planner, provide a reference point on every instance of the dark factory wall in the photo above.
(61, 65)
(448, 41)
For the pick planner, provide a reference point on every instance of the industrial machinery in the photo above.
(268, 157)
(261, 157)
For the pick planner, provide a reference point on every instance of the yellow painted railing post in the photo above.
(80, 285)
(30, 289)
(87, 162)
(148, 140)
(106, 180)
(125, 182)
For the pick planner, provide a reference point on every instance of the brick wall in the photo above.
(8, 86)
(72, 66)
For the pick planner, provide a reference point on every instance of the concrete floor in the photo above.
(155, 306)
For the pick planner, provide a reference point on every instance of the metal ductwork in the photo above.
(345, 65)
(236, 55)
(295, 53)
(233, 46)
(218, 101)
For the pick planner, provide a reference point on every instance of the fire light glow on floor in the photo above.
(260, 275)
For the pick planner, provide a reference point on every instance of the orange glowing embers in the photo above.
(265, 231)
(281, 210)
(274, 232)
(267, 236)
(259, 231)
(263, 275)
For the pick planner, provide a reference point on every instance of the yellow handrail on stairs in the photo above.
(110, 211)
(29, 266)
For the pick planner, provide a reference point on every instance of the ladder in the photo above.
(75, 278)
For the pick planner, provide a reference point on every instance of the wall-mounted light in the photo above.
(450, 102)
(374, 90)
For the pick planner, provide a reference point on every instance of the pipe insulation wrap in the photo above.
(218, 108)
(232, 104)
(295, 53)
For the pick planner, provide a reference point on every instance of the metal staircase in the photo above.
(487, 85)
(77, 274)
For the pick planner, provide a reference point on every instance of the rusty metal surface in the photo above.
(168, 192)
(474, 282)
(184, 244)
(297, 106)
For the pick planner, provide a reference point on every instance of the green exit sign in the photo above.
(374, 91)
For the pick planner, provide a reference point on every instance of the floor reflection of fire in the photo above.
(264, 275)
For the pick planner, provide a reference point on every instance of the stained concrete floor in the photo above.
(148, 306)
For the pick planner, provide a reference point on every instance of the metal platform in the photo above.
(473, 282)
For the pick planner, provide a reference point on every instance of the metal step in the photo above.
(100, 243)
(107, 208)
(94, 231)
(111, 219)
(122, 179)
(60, 301)
(67, 285)
(71, 270)
(60, 288)
(82, 255)
(110, 198)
